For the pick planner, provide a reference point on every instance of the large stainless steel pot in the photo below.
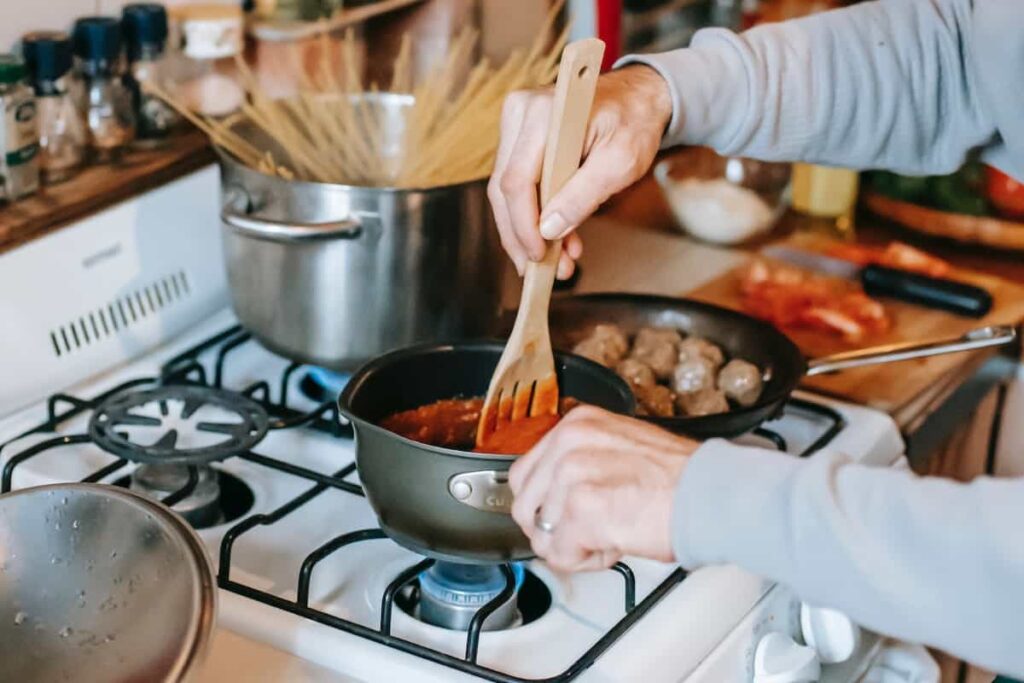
(449, 504)
(100, 585)
(335, 274)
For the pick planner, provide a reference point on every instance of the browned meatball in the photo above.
(693, 376)
(741, 381)
(606, 344)
(658, 347)
(636, 373)
(693, 348)
(655, 400)
(709, 401)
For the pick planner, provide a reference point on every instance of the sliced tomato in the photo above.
(905, 257)
(895, 255)
(1005, 193)
(788, 297)
(854, 253)
(834, 320)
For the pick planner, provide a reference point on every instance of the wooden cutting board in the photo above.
(893, 386)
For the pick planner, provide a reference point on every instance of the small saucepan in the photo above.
(740, 336)
(444, 503)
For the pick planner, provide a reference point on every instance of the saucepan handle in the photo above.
(975, 339)
(285, 231)
(486, 490)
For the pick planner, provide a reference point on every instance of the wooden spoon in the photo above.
(524, 382)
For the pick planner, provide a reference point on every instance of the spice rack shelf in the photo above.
(98, 187)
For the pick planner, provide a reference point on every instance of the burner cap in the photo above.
(451, 594)
(183, 424)
(199, 508)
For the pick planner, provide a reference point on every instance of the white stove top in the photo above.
(667, 643)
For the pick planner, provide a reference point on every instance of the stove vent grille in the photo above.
(120, 314)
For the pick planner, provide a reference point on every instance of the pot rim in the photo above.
(344, 398)
(228, 159)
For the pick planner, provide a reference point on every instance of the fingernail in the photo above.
(553, 226)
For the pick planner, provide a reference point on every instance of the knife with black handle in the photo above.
(938, 293)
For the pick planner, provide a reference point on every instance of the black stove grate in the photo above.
(186, 369)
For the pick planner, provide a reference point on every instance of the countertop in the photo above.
(637, 228)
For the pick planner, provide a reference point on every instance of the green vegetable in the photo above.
(905, 188)
(957, 193)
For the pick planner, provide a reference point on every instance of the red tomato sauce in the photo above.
(452, 423)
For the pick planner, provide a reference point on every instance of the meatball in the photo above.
(693, 376)
(636, 373)
(693, 348)
(708, 401)
(654, 400)
(606, 344)
(740, 381)
(658, 347)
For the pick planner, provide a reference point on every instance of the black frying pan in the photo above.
(741, 336)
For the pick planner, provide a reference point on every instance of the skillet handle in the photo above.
(980, 338)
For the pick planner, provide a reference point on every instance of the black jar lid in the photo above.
(144, 24)
(97, 41)
(48, 57)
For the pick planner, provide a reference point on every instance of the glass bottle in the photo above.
(825, 199)
(63, 138)
(144, 27)
(19, 135)
(107, 104)
(213, 38)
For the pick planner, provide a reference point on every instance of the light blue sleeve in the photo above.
(888, 84)
(925, 560)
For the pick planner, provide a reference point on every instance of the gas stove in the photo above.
(184, 406)
(271, 483)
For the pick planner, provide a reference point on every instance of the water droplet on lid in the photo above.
(65, 632)
(64, 500)
(20, 618)
(109, 638)
(54, 560)
(75, 524)
(113, 553)
(57, 526)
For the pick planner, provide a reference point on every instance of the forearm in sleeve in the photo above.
(922, 559)
(884, 84)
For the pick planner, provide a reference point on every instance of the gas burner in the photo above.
(217, 497)
(449, 595)
(320, 384)
(184, 425)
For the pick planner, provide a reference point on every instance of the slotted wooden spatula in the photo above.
(524, 382)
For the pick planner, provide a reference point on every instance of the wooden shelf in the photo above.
(100, 186)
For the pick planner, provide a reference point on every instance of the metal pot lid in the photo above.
(100, 584)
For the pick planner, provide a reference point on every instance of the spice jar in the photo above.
(62, 134)
(19, 136)
(213, 39)
(107, 104)
(145, 32)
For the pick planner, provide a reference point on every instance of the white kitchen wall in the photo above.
(18, 17)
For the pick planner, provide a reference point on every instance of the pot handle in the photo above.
(975, 339)
(285, 231)
(487, 490)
